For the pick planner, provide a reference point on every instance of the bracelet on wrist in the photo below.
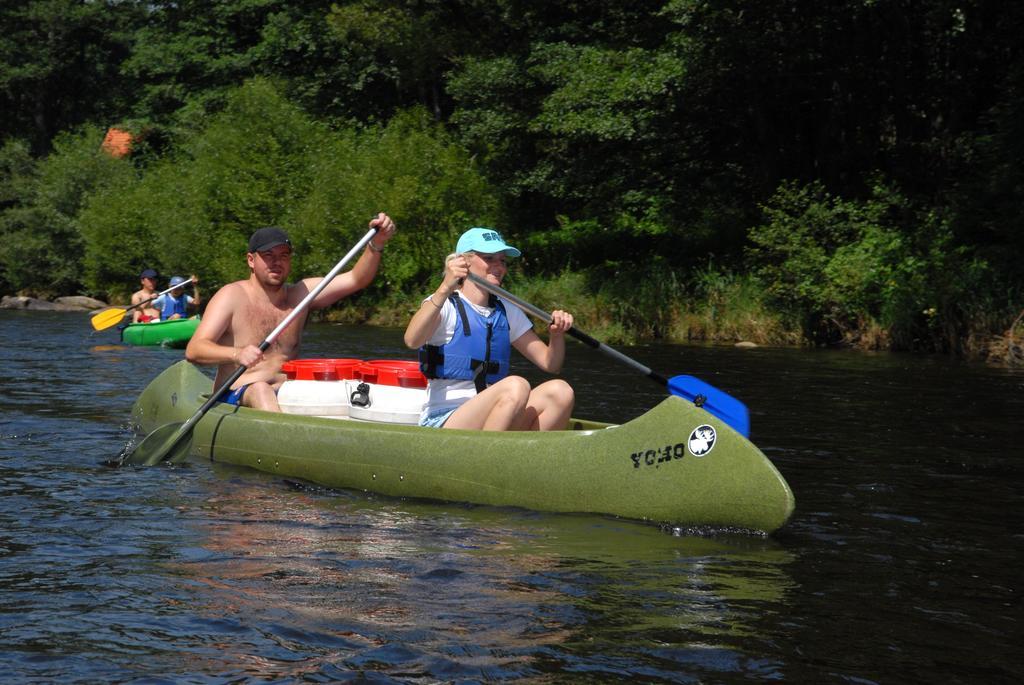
(431, 301)
(376, 249)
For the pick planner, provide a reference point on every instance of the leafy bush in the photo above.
(828, 262)
(409, 169)
(843, 267)
(193, 211)
(725, 306)
(262, 161)
(39, 225)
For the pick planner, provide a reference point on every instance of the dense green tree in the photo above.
(18, 178)
(988, 199)
(39, 226)
(190, 54)
(733, 97)
(577, 120)
(191, 51)
(683, 129)
(877, 266)
(828, 91)
(59, 65)
(245, 167)
(263, 161)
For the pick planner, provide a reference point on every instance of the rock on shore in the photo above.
(73, 303)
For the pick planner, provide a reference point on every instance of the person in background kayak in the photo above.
(176, 304)
(465, 335)
(241, 314)
(147, 292)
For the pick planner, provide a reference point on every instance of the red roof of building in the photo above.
(117, 143)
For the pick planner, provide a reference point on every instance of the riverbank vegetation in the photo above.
(781, 172)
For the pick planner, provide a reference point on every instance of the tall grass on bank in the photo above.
(1008, 349)
(625, 308)
(726, 307)
(711, 306)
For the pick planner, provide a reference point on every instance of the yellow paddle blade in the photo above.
(108, 318)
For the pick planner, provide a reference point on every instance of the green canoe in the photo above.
(174, 333)
(645, 469)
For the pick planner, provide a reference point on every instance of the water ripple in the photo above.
(900, 563)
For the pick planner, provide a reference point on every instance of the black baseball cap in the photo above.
(268, 238)
(148, 273)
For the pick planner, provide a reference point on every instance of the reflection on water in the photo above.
(900, 564)
(497, 592)
(116, 349)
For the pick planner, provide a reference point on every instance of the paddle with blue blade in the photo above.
(172, 442)
(714, 401)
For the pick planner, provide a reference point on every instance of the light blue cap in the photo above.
(486, 241)
(176, 280)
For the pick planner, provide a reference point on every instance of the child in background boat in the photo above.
(176, 304)
(465, 335)
(148, 291)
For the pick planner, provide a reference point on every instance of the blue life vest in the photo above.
(479, 350)
(173, 305)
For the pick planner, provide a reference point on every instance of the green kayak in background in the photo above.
(174, 333)
(676, 464)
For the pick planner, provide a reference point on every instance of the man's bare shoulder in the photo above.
(232, 290)
(221, 310)
(226, 299)
(298, 290)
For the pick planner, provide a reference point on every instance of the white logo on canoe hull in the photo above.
(702, 440)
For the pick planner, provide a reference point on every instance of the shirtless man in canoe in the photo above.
(147, 292)
(241, 314)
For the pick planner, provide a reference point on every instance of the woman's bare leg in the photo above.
(497, 408)
(548, 408)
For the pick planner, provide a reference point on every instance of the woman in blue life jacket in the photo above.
(465, 334)
(176, 304)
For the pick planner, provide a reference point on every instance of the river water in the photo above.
(901, 564)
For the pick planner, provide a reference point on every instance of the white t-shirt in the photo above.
(449, 393)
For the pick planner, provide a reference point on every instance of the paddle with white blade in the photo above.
(171, 442)
(109, 317)
(711, 399)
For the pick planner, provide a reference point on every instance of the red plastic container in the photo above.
(398, 372)
(320, 369)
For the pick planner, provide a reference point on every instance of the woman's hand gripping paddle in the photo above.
(112, 316)
(171, 442)
(711, 399)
